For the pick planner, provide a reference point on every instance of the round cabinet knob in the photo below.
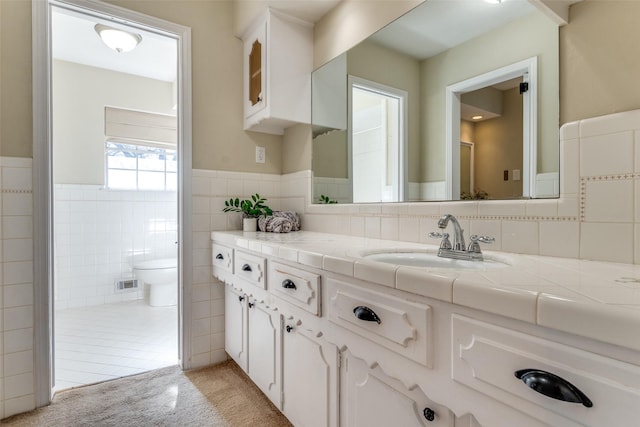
(240, 298)
(289, 328)
(251, 305)
(429, 414)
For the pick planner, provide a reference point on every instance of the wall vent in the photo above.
(126, 285)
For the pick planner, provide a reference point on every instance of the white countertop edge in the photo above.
(490, 292)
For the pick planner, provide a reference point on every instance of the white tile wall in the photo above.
(210, 190)
(100, 234)
(17, 383)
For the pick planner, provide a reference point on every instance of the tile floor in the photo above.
(99, 343)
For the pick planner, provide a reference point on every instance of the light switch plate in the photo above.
(261, 154)
(516, 175)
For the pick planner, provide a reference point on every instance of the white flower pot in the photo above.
(249, 224)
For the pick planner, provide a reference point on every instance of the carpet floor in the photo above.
(220, 395)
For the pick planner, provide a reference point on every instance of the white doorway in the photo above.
(377, 141)
(527, 71)
(85, 199)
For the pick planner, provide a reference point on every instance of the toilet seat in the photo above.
(156, 264)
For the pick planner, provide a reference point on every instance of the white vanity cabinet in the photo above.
(335, 350)
(235, 322)
(278, 61)
(370, 398)
(253, 334)
(565, 386)
(309, 377)
(263, 349)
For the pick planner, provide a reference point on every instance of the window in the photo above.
(140, 167)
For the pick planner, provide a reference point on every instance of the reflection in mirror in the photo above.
(503, 103)
(466, 39)
(492, 117)
(377, 141)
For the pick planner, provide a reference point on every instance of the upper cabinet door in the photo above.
(255, 58)
(278, 60)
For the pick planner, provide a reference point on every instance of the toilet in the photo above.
(161, 275)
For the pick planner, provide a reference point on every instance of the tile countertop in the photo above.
(598, 300)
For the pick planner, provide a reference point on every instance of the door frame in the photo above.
(528, 70)
(43, 264)
(401, 175)
(471, 146)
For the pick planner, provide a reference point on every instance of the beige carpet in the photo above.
(221, 395)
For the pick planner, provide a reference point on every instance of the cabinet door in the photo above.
(309, 379)
(369, 398)
(235, 323)
(264, 350)
(255, 72)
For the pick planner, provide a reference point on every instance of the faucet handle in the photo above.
(482, 239)
(445, 244)
(474, 246)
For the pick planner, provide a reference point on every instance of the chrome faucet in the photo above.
(459, 250)
(458, 237)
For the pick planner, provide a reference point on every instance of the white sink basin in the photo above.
(426, 259)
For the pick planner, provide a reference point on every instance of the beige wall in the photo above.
(218, 139)
(330, 154)
(219, 143)
(599, 61)
(80, 94)
(498, 147)
(533, 35)
(296, 148)
(15, 78)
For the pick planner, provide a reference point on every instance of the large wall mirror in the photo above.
(455, 100)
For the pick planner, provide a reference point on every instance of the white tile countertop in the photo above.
(598, 300)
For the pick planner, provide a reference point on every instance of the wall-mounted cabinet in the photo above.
(278, 61)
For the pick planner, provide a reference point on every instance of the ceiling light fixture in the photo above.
(476, 117)
(494, 1)
(118, 40)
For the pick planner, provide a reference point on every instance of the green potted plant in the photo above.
(251, 210)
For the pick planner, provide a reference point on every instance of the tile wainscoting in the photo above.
(210, 190)
(16, 282)
(100, 234)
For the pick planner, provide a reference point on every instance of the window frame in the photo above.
(138, 147)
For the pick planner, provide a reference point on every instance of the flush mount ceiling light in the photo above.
(118, 40)
(476, 117)
(494, 1)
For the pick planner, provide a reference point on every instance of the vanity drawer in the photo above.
(399, 325)
(486, 357)
(222, 257)
(250, 268)
(298, 287)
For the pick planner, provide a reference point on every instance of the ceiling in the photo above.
(438, 25)
(75, 40)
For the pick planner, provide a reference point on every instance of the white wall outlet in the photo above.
(261, 154)
(516, 175)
